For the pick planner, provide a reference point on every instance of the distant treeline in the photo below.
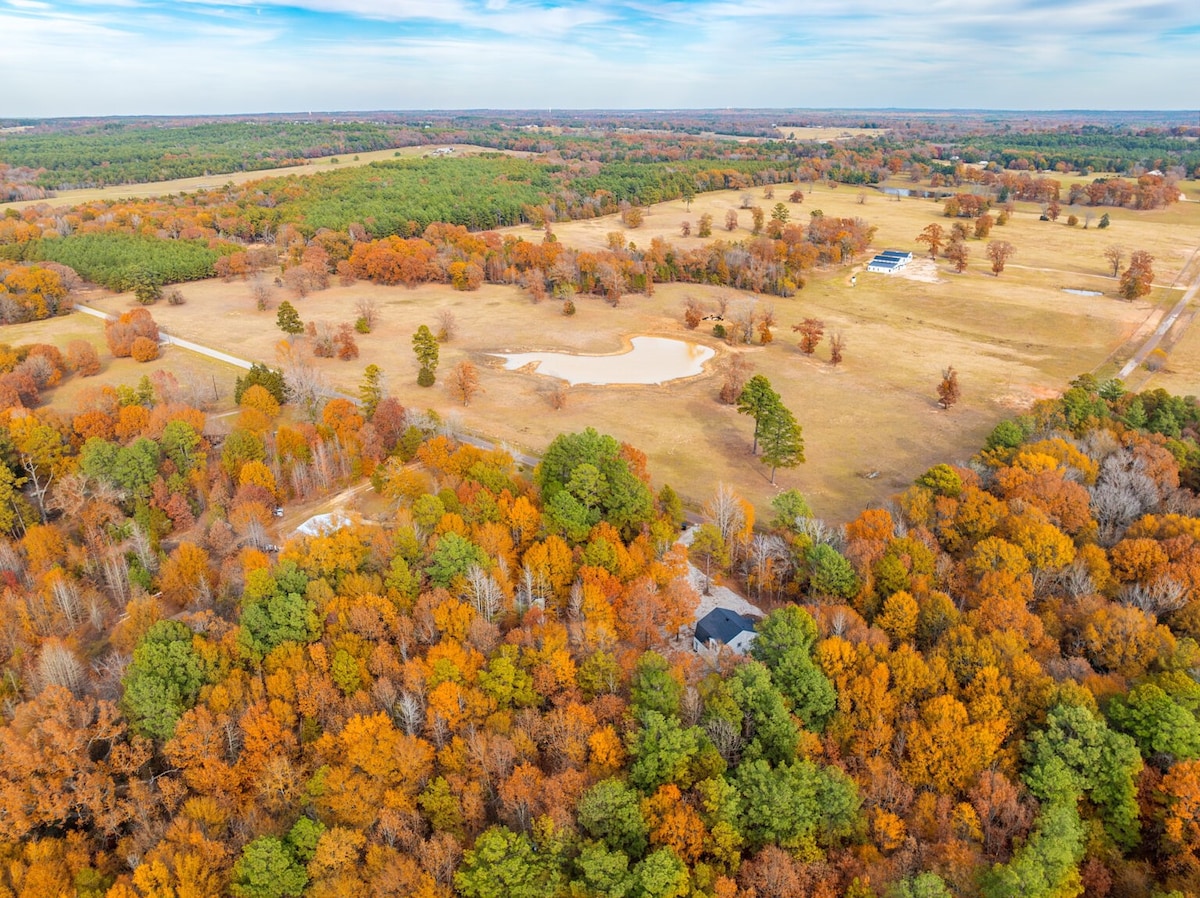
(118, 153)
(89, 154)
(1086, 149)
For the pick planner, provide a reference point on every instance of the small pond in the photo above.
(1082, 292)
(650, 360)
(912, 191)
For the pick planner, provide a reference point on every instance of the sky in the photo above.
(199, 57)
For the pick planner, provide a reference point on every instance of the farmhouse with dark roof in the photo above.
(724, 627)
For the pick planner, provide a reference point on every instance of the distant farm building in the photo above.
(889, 261)
(723, 627)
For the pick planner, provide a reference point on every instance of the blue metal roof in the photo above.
(722, 625)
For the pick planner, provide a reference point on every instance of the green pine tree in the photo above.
(371, 390)
(288, 319)
(757, 400)
(425, 347)
(782, 441)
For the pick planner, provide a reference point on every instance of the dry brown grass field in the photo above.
(213, 379)
(207, 182)
(870, 425)
(802, 133)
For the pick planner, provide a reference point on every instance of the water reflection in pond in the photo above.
(651, 360)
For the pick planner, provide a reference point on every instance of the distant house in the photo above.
(723, 627)
(889, 261)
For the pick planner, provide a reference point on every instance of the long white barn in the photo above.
(889, 261)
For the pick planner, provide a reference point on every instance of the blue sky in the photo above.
(107, 57)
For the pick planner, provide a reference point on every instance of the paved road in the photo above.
(167, 339)
(1161, 331)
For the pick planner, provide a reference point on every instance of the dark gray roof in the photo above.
(722, 625)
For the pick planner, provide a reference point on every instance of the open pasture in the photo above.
(821, 134)
(870, 425)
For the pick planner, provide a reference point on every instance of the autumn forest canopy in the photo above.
(984, 686)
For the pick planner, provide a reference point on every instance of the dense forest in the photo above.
(986, 687)
(114, 153)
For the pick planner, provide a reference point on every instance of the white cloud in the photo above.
(103, 57)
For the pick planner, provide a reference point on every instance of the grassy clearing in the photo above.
(870, 425)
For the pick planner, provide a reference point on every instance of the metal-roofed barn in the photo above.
(889, 261)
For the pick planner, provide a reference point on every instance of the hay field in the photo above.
(871, 425)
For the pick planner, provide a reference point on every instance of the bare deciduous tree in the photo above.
(1115, 255)
(447, 325)
(463, 382)
(58, 666)
(261, 292)
(736, 369)
(367, 308)
(558, 397)
(485, 593)
(837, 344)
(724, 511)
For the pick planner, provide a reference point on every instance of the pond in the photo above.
(911, 191)
(649, 360)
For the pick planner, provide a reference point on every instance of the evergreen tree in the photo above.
(757, 401)
(371, 390)
(270, 379)
(288, 320)
(425, 347)
(782, 442)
